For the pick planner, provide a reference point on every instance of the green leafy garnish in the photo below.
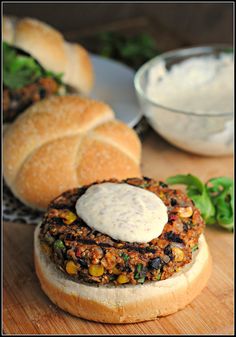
(125, 257)
(159, 277)
(221, 192)
(214, 199)
(58, 244)
(195, 247)
(138, 271)
(144, 185)
(57, 76)
(133, 51)
(142, 279)
(20, 69)
(228, 50)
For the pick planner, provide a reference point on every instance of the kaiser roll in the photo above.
(65, 142)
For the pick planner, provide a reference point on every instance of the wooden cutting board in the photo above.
(26, 310)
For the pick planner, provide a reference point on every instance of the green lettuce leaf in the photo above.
(221, 192)
(214, 199)
(20, 69)
(197, 192)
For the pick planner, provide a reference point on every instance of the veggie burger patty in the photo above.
(89, 256)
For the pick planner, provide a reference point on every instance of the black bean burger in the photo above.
(122, 251)
(38, 63)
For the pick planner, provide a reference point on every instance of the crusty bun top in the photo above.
(64, 142)
(49, 48)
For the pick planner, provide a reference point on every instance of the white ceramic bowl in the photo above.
(205, 134)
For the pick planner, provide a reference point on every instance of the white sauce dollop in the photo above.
(122, 211)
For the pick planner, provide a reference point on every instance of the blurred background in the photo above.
(172, 25)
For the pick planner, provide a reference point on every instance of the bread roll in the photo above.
(127, 303)
(50, 49)
(65, 142)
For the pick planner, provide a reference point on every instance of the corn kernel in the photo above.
(46, 248)
(178, 269)
(185, 212)
(68, 217)
(116, 271)
(161, 195)
(178, 254)
(71, 268)
(96, 269)
(122, 279)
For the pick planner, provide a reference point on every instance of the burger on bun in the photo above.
(122, 251)
(37, 63)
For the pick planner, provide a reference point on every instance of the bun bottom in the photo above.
(127, 303)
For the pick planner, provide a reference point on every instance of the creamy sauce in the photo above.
(124, 212)
(199, 84)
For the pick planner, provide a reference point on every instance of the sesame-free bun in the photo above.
(64, 142)
(49, 48)
(125, 303)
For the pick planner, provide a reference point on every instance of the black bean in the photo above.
(135, 247)
(171, 236)
(60, 206)
(150, 250)
(87, 241)
(112, 277)
(42, 92)
(56, 220)
(82, 262)
(155, 263)
(185, 227)
(168, 251)
(128, 268)
(173, 202)
(162, 184)
(104, 244)
(70, 236)
(122, 267)
(81, 223)
(146, 178)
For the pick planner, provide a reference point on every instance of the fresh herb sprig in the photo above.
(133, 51)
(21, 69)
(215, 198)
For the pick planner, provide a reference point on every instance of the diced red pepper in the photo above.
(78, 252)
(173, 217)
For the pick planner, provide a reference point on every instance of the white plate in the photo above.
(114, 85)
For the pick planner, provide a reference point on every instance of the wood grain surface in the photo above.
(26, 310)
